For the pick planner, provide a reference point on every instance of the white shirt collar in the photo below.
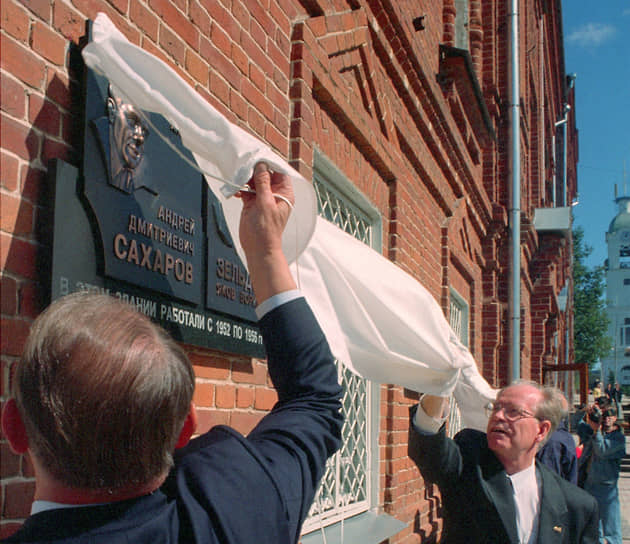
(42, 506)
(527, 501)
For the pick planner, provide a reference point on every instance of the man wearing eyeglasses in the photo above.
(492, 488)
(604, 448)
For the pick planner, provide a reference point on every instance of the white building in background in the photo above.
(618, 293)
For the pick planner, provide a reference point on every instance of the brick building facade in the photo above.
(401, 109)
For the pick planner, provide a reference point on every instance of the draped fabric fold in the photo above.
(380, 321)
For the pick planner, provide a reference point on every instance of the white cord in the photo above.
(245, 188)
(196, 167)
(248, 189)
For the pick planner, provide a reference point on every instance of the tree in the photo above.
(590, 325)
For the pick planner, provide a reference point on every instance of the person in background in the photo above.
(559, 452)
(492, 489)
(102, 404)
(604, 448)
(618, 397)
(610, 392)
(618, 392)
(597, 390)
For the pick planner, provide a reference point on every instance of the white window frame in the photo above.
(458, 318)
(624, 333)
(335, 182)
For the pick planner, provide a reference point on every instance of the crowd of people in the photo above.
(613, 394)
(602, 446)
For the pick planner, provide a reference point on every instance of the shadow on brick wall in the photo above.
(55, 133)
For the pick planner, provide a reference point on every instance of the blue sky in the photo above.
(597, 50)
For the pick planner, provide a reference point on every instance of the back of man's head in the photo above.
(563, 404)
(103, 393)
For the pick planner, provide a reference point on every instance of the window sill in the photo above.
(367, 528)
(456, 66)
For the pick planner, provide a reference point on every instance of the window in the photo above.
(350, 483)
(458, 320)
(461, 24)
(626, 281)
(624, 333)
(458, 316)
(624, 256)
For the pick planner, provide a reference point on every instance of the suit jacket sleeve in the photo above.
(609, 446)
(591, 529)
(437, 456)
(304, 427)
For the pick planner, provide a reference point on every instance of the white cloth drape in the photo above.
(381, 322)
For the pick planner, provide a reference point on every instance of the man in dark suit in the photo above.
(102, 398)
(492, 489)
(559, 451)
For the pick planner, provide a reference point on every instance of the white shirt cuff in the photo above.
(276, 300)
(426, 423)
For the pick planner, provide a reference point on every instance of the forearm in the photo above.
(299, 358)
(608, 447)
(584, 431)
(436, 455)
(304, 427)
(434, 406)
(431, 414)
(269, 273)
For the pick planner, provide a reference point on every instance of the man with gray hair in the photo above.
(492, 489)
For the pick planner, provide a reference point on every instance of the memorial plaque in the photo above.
(139, 222)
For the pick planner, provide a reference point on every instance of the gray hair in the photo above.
(103, 392)
(552, 407)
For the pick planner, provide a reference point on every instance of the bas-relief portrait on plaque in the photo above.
(122, 134)
(147, 227)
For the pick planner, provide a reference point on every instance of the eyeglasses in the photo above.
(510, 412)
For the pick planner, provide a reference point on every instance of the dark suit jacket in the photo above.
(477, 498)
(559, 454)
(225, 488)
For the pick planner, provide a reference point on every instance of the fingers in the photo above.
(260, 167)
(261, 178)
(257, 184)
(268, 186)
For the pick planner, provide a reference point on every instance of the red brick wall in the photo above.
(353, 79)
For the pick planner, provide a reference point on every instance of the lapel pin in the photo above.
(557, 528)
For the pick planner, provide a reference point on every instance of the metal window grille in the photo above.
(456, 315)
(345, 487)
(458, 320)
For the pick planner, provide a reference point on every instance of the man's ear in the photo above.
(544, 428)
(189, 427)
(13, 427)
